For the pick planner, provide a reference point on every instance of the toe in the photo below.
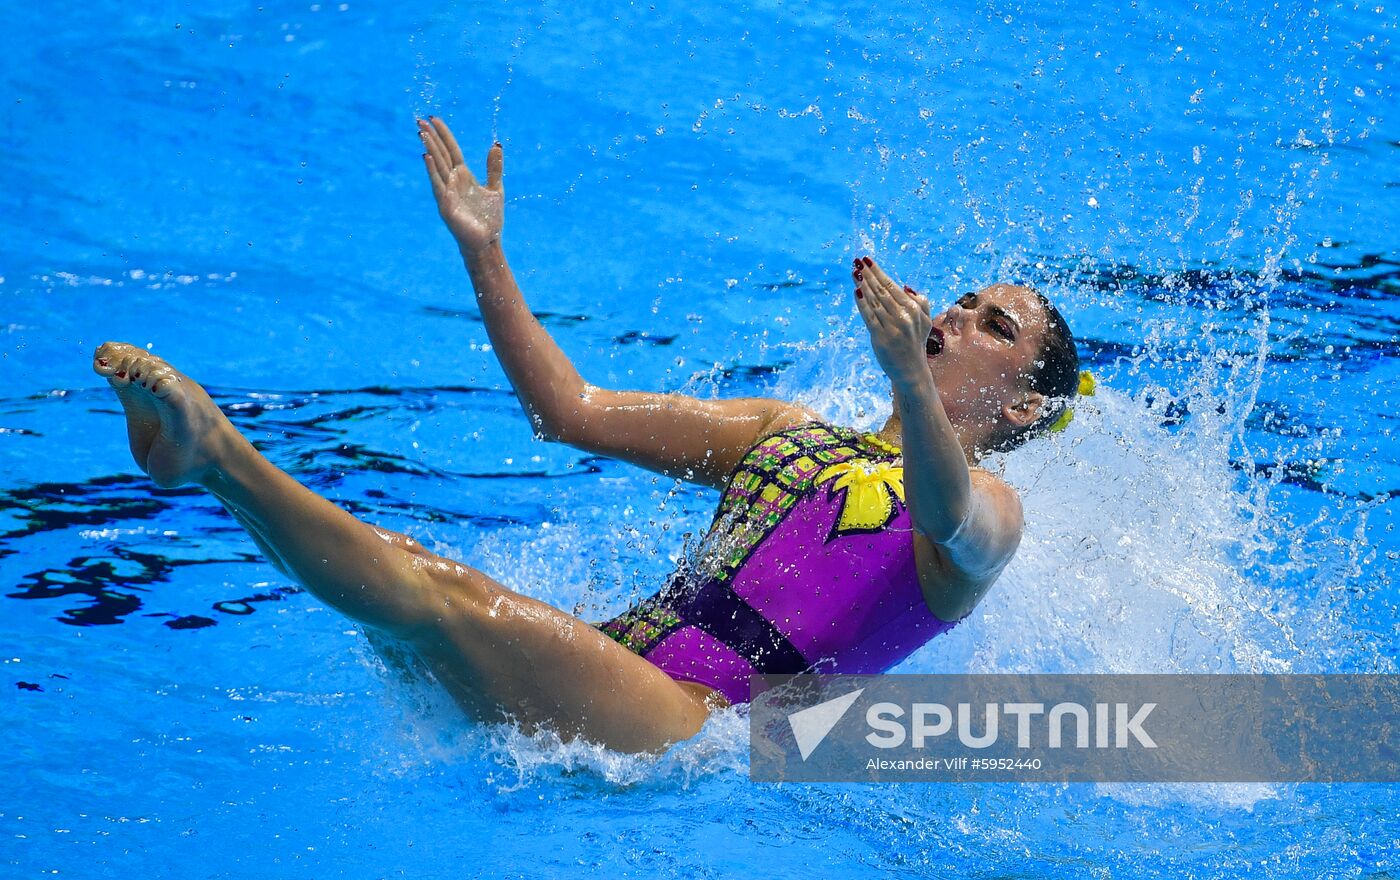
(144, 364)
(145, 369)
(163, 380)
(104, 360)
(125, 365)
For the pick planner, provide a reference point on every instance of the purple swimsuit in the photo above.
(808, 566)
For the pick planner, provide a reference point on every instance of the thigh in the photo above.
(508, 656)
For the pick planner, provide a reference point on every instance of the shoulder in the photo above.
(783, 416)
(773, 418)
(788, 415)
(956, 573)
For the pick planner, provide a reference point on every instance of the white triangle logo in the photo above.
(810, 726)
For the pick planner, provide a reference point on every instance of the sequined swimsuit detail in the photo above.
(808, 566)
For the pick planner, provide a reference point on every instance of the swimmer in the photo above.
(832, 549)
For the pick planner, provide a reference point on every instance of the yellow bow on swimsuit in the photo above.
(870, 493)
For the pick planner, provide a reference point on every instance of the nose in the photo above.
(954, 317)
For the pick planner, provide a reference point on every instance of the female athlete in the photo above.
(832, 550)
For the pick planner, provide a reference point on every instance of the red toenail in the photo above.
(121, 374)
(102, 362)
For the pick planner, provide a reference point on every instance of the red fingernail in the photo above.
(909, 290)
(121, 374)
(103, 362)
(868, 261)
(859, 295)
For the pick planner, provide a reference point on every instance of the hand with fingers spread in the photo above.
(899, 322)
(474, 213)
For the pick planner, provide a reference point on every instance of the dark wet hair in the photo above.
(1054, 374)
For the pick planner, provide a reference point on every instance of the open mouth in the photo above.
(934, 346)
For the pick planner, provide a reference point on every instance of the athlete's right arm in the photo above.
(680, 436)
(700, 441)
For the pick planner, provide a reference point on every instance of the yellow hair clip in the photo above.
(1086, 383)
(1086, 389)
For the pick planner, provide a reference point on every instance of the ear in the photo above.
(1023, 409)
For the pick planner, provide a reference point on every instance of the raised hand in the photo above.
(473, 213)
(898, 320)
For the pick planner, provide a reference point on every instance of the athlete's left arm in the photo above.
(967, 523)
(955, 573)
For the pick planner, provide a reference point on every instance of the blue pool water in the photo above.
(1210, 194)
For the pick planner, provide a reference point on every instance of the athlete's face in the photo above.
(981, 354)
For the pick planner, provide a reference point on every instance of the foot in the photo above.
(175, 429)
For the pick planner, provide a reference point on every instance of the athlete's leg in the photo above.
(501, 654)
